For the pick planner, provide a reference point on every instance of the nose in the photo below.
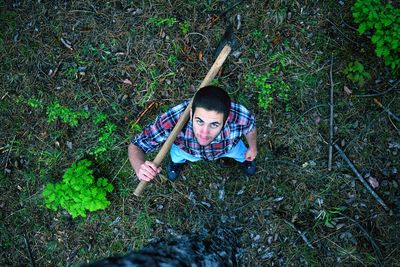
(204, 130)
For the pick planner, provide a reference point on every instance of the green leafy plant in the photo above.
(106, 139)
(71, 70)
(78, 192)
(384, 23)
(56, 111)
(328, 216)
(172, 59)
(257, 34)
(34, 103)
(268, 88)
(269, 85)
(157, 21)
(185, 27)
(356, 72)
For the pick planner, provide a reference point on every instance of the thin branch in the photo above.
(8, 155)
(144, 111)
(28, 247)
(343, 34)
(387, 110)
(394, 86)
(307, 111)
(303, 236)
(331, 119)
(362, 180)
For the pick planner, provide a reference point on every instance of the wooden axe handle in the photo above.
(184, 117)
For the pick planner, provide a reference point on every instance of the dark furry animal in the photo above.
(219, 248)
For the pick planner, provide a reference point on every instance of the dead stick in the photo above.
(362, 180)
(184, 117)
(28, 247)
(144, 112)
(302, 234)
(387, 110)
(330, 120)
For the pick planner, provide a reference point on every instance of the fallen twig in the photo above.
(362, 180)
(53, 73)
(28, 247)
(387, 110)
(144, 112)
(8, 155)
(394, 86)
(330, 120)
(303, 236)
(4, 96)
(66, 43)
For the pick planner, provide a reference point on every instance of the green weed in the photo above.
(89, 50)
(176, 48)
(268, 88)
(35, 103)
(71, 70)
(106, 140)
(172, 59)
(257, 34)
(327, 216)
(157, 21)
(185, 27)
(355, 72)
(106, 55)
(56, 111)
(78, 192)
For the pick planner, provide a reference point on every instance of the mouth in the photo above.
(203, 140)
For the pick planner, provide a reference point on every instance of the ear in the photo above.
(229, 116)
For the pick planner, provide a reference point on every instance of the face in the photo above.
(207, 124)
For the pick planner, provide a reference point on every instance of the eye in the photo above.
(199, 122)
(214, 125)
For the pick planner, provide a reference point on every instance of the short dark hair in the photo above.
(212, 98)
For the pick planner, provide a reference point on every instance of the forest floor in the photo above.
(67, 65)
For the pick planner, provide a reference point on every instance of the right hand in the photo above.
(147, 171)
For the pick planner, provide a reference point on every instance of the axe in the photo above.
(223, 49)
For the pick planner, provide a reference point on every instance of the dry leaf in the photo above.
(317, 120)
(200, 56)
(373, 182)
(347, 90)
(127, 81)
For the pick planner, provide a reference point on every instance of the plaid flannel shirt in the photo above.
(240, 122)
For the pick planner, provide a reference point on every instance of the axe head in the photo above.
(227, 39)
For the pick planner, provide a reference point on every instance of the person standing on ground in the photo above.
(214, 131)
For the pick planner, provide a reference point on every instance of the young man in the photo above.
(213, 131)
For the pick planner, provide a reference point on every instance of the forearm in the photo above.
(251, 139)
(136, 157)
